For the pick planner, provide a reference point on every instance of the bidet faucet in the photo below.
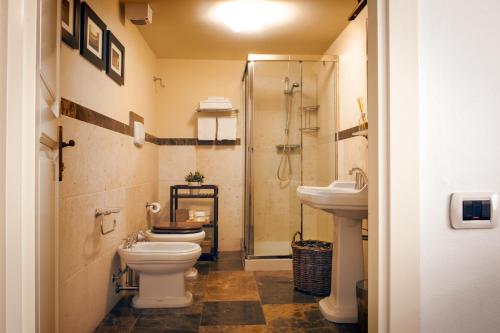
(128, 242)
(136, 236)
(361, 177)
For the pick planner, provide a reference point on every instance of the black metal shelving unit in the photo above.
(175, 195)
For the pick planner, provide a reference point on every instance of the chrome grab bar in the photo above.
(101, 212)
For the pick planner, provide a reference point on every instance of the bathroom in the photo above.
(203, 166)
(162, 88)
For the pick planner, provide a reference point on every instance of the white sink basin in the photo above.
(339, 198)
(349, 207)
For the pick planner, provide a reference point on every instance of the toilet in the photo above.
(161, 268)
(178, 232)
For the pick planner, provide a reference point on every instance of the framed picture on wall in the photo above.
(70, 22)
(115, 64)
(93, 37)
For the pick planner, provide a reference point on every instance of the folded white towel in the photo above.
(216, 102)
(207, 128)
(218, 105)
(226, 128)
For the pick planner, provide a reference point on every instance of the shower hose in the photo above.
(284, 172)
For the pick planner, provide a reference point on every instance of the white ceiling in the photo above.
(183, 29)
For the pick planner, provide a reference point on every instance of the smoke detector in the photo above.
(139, 13)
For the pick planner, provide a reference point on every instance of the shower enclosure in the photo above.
(291, 120)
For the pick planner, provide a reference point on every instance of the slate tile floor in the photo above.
(228, 299)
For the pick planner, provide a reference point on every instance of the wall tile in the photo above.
(105, 169)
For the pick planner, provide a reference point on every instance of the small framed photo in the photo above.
(93, 37)
(115, 64)
(70, 22)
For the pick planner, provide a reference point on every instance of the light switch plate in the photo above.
(457, 210)
(139, 133)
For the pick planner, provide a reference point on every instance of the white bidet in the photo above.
(195, 238)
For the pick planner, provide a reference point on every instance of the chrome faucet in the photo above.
(135, 237)
(128, 242)
(361, 177)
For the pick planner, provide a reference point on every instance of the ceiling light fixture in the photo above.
(251, 15)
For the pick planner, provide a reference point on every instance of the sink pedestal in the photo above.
(347, 269)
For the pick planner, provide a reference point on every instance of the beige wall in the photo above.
(83, 83)
(222, 166)
(104, 169)
(350, 46)
(187, 82)
(96, 176)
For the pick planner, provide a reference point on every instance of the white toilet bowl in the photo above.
(161, 268)
(195, 238)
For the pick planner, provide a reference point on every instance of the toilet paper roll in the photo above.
(154, 207)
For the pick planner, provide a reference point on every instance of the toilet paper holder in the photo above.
(101, 212)
(153, 207)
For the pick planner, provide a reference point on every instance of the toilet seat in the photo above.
(176, 228)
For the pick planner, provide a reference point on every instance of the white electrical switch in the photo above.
(474, 210)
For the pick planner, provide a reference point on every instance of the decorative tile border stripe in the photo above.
(195, 142)
(176, 141)
(347, 133)
(77, 111)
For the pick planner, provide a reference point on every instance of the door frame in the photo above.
(3, 108)
(19, 164)
(394, 209)
(393, 163)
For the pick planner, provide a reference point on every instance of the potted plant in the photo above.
(194, 179)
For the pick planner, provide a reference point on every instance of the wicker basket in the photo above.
(312, 266)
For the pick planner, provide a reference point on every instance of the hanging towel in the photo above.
(207, 128)
(226, 128)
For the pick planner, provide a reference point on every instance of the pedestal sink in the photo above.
(348, 206)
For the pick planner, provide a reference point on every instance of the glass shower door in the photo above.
(275, 149)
